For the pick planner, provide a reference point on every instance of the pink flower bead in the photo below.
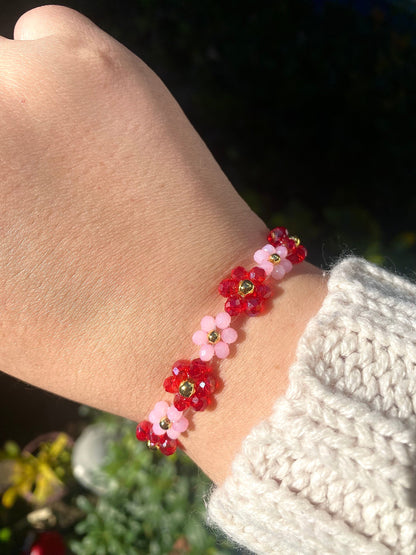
(175, 419)
(214, 336)
(263, 259)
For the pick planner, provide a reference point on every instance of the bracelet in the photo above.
(194, 382)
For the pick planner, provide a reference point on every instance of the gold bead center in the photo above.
(187, 389)
(152, 446)
(165, 423)
(274, 258)
(296, 239)
(245, 287)
(214, 337)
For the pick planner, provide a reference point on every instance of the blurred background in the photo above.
(309, 107)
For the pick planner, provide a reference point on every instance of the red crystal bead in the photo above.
(228, 287)
(254, 306)
(206, 387)
(290, 244)
(239, 273)
(298, 255)
(171, 384)
(180, 367)
(198, 369)
(181, 403)
(276, 235)
(234, 305)
(143, 429)
(199, 403)
(154, 439)
(263, 291)
(257, 274)
(168, 446)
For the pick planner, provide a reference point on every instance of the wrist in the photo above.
(149, 324)
(257, 373)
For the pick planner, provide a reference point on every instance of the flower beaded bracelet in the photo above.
(194, 382)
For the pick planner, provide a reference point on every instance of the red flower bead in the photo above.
(297, 255)
(276, 234)
(143, 430)
(162, 443)
(245, 290)
(193, 383)
(279, 237)
(228, 287)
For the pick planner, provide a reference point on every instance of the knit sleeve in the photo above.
(333, 470)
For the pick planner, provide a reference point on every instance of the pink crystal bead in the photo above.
(222, 350)
(222, 320)
(287, 265)
(158, 411)
(261, 256)
(281, 251)
(207, 324)
(229, 335)
(278, 272)
(206, 352)
(267, 267)
(199, 337)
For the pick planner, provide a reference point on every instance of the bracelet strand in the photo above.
(193, 382)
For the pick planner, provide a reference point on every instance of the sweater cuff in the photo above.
(333, 470)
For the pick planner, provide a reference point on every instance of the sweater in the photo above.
(333, 469)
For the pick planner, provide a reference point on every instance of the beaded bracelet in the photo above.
(194, 382)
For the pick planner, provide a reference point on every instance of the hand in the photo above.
(116, 223)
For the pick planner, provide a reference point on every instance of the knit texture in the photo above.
(333, 470)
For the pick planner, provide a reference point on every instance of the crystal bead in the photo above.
(168, 447)
(257, 274)
(143, 430)
(239, 273)
(199, 403)
(298, 255)
(228, 287)
(234, 305)
(276, 235)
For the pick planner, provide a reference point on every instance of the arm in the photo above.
(117, 226)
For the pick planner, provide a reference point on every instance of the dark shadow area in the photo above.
(27, 411)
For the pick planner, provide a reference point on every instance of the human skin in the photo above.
(116, 227)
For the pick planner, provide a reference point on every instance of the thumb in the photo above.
(53, 20)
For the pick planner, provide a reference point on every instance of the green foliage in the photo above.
(154, 505)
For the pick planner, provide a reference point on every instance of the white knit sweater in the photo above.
(333, 470)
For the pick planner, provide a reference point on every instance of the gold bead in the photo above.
(187, 389)
(152, 446)
(213, 337)
(245, 287)
(296, 239)
(274, 258)
(165, 423)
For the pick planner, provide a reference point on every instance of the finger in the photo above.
(45, 21)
